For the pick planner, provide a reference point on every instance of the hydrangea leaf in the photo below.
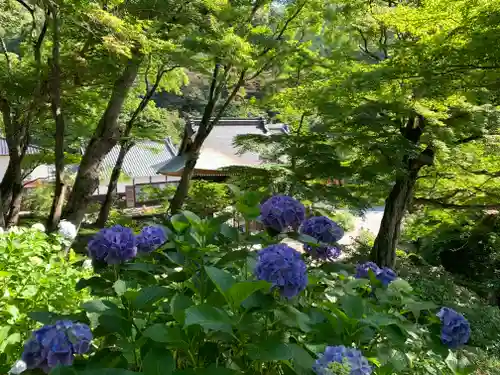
(239, 292)
(270, 350)
(222, 279)
(208, 317)
(149, 296)
(170, 335)
(158, 362)
(178, 306)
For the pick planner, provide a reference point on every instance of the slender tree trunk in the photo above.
(384, 248)
(183, 187)
(57, 114)
(15, 206)
(125, 145)
(113, 183)
(105, 137)
(193, 149)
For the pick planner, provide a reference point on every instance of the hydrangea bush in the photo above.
(35, 275)
(205, 302)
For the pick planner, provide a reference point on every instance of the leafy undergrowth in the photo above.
(196, 300)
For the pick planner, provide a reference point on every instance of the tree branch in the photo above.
(4, 51)
(436, 202)
(364, 47)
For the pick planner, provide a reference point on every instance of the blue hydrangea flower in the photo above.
(326, 232)
(385, 275)
(455, 329)
(113, 245)
(322, 229)
(323, 252)
(57, 344)
(284, 268)
(363, 268)
(150, 239)
(339, 359)
(282, 212)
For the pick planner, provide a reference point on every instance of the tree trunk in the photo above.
(183, 188)
(15, 206)
(104, 139)
(384, 248)
(113, 183)
(57, 114)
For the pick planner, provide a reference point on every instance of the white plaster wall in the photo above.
(42, 171)
(4, 162)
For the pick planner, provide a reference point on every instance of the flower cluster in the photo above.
(281, 212)
(150, 239)
(284, 268)
(118, 244)
(67, 229)
(326, 232)
(113, 245)
(56, 344)
(455, 329)
(384, 275)
(339, 359)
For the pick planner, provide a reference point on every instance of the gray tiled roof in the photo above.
(219, 144)
(4, 148)
(140, 160)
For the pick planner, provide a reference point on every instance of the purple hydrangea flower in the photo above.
(455, 329)
(363, 268)
(150, 239)
(339, 359)
(113, 245)
(385, 275)
(57, 344)
(326, 232)
(282, 212)
(322, 229)
(284, 268)
(323, 252)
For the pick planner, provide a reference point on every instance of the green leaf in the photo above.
(179, 222)
(352, 285)
(191, 217)
(270, 350)
(158, 362)
(4, 331)
(63, 370)
(353, 306)
(302, 360)
(417, 306)
(101, 307)
(178, 306)
(229, 232)
(120, 287)
(148, 296)
(232, 256)
(13, 338)
(208, 317)
(108, 371)
(223, 280)
(5, 274)
(164, 334)
(44, 317)
(239, 292)
(459, 365)
(95, 283)
(141, 267)
(400, 285)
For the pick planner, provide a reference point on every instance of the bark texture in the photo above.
(57, 114)
(125, 145)
(384, 249)
(113, 183)
(105, 137)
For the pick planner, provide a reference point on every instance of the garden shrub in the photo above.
(204, 303)
(34, 276)
(344, 219)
